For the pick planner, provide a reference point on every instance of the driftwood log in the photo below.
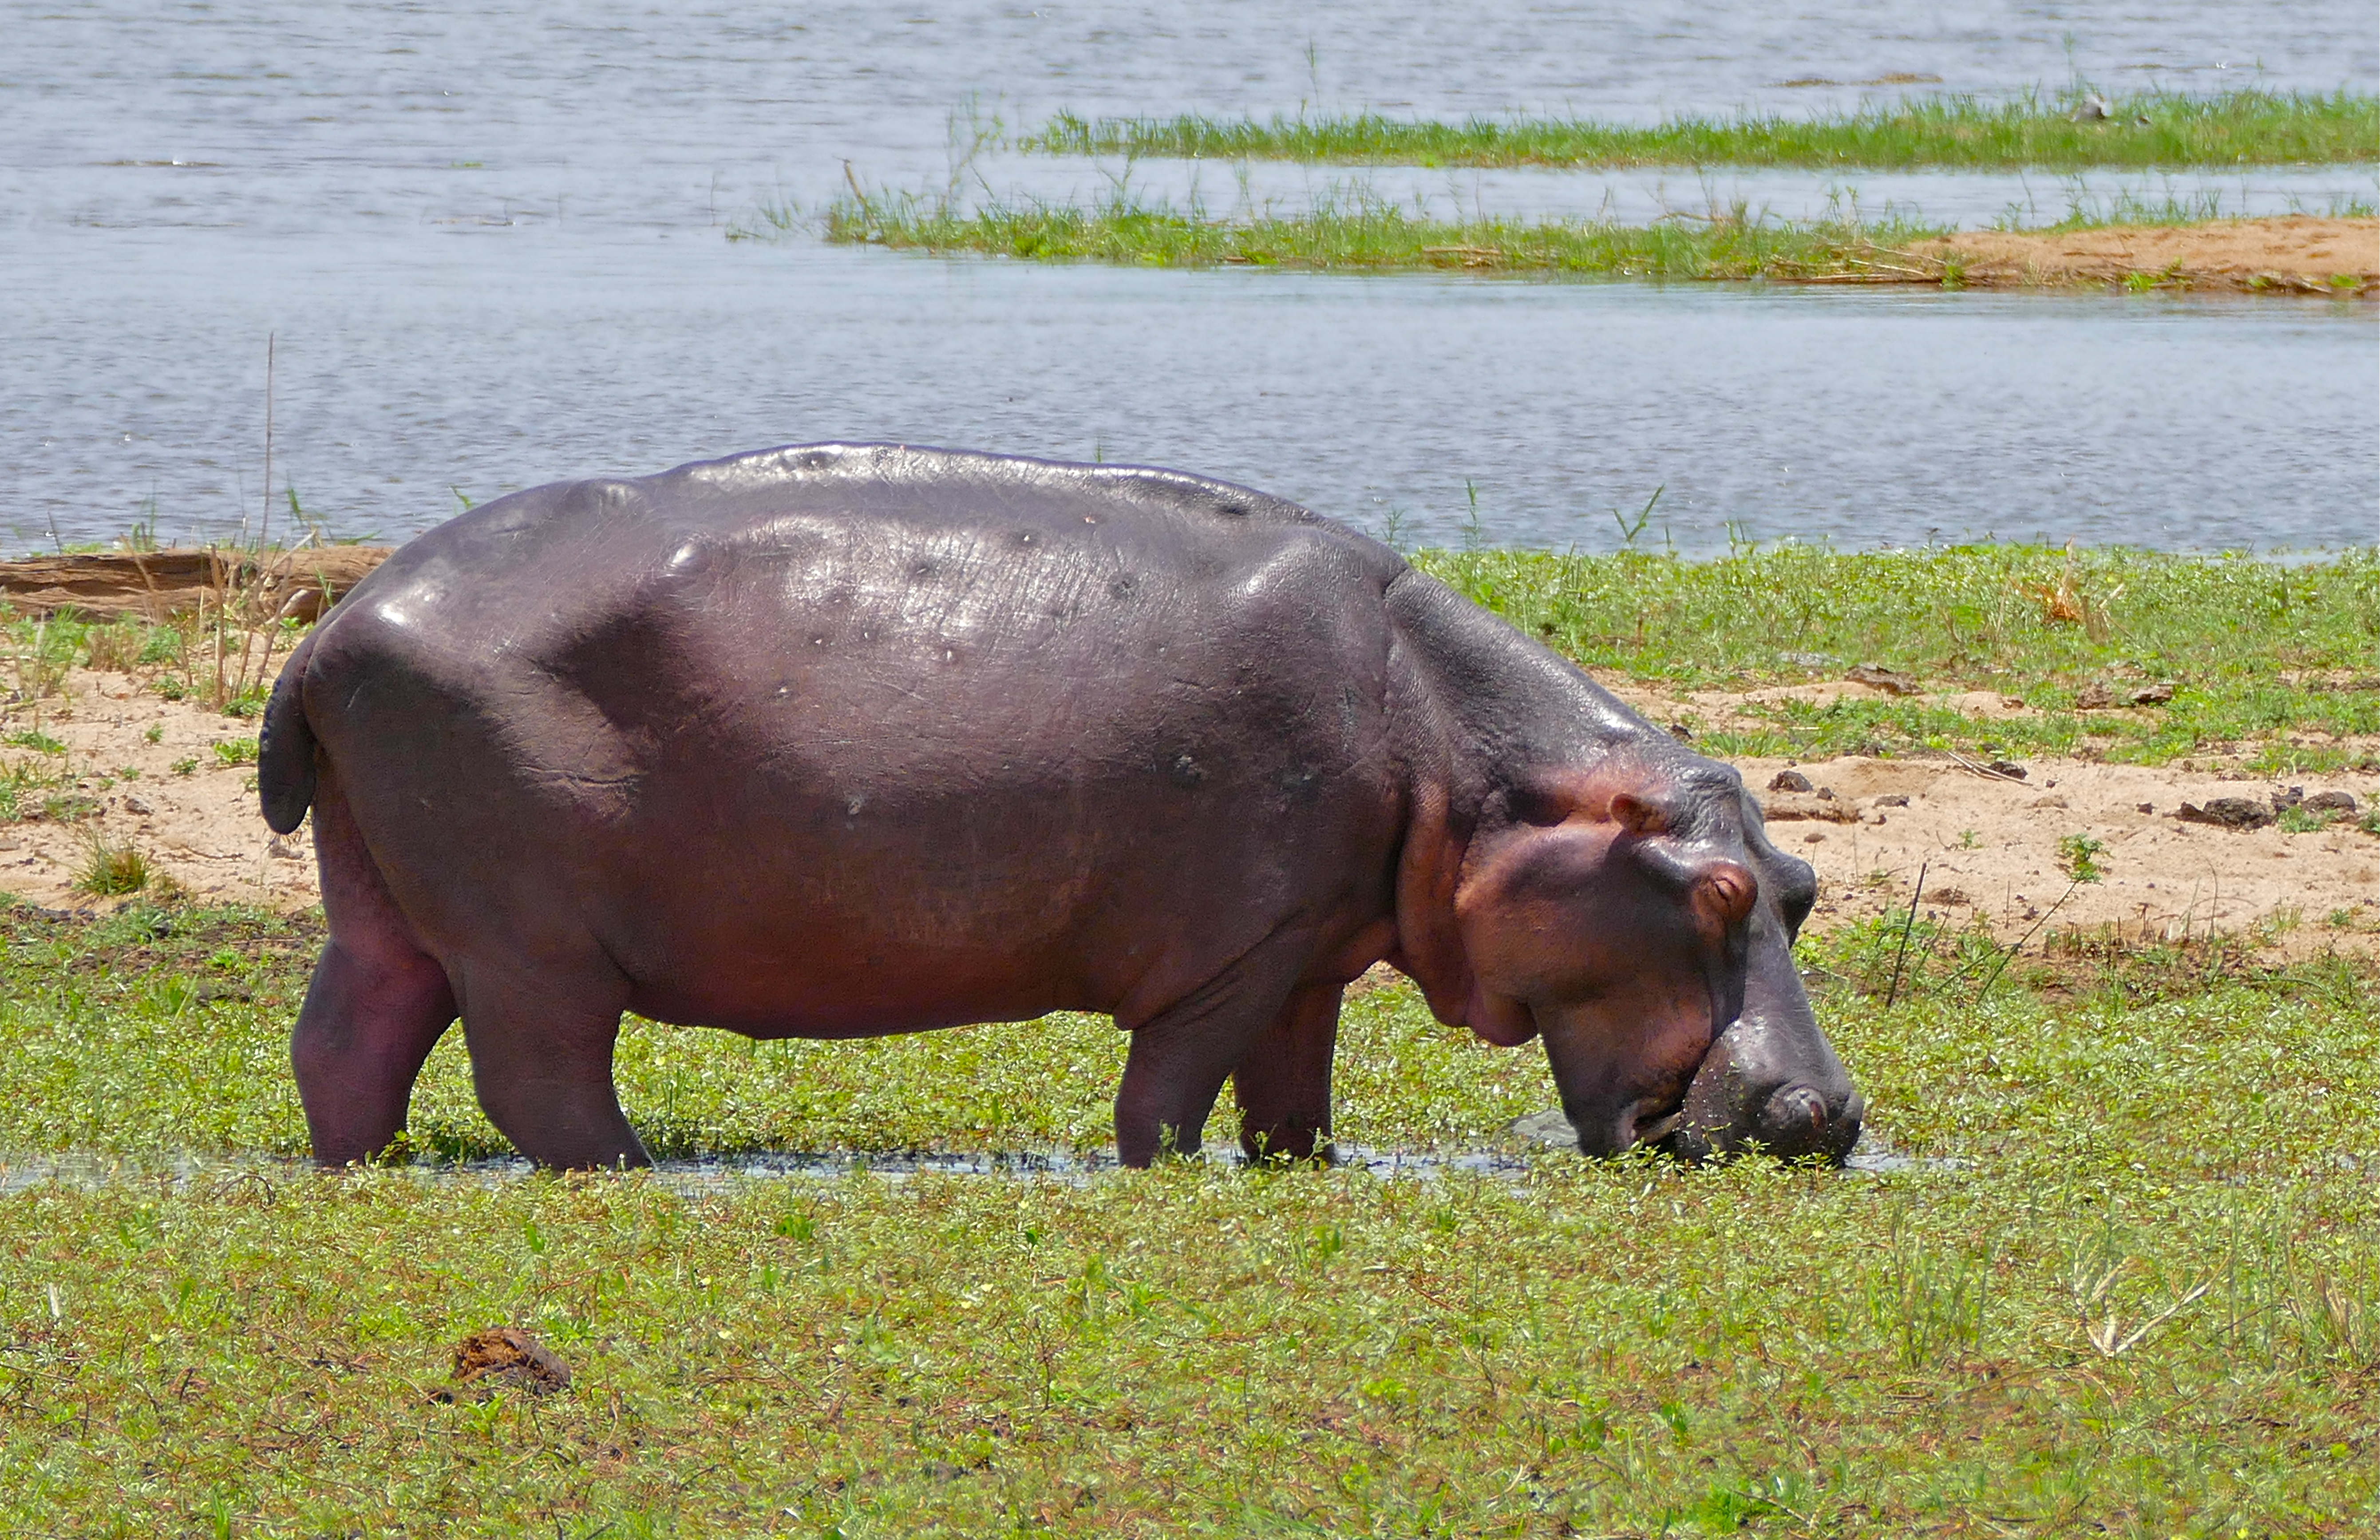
(154, 585)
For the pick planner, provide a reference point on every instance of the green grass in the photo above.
(1619, 1349)
(2236, 129)
(1366, 236)
(2251, 646)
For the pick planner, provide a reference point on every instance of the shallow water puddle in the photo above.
(1543, 1133)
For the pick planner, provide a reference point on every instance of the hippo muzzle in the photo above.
(1771, 1081)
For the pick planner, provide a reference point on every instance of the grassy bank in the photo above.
(2237, 129)
(2276, 663)
(2146, 1302)
(1362, 236)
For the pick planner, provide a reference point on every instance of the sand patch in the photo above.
(2300, 253)
(1989, 846)
(1990, 851)
(189, 810)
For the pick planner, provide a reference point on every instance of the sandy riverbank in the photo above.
(2300, 254)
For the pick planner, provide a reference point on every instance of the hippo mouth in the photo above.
(1657, 1130)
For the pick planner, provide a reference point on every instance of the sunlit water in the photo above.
(491, 246)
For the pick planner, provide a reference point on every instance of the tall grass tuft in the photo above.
(110, 867)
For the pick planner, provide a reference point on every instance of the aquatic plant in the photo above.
(1355, 233)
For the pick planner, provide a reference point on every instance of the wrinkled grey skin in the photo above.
(849, 740)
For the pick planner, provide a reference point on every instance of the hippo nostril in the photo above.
(1794, 1114)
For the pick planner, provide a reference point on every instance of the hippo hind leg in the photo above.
(1283, 1081)
(541, 1046)
(371, 1015)
(377, 1006)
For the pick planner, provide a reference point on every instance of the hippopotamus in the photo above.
(845, 740)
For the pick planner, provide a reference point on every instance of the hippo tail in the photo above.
(285, 751)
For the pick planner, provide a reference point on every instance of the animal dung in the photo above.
(504, 1358)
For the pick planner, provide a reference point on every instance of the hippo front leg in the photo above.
(1180, 1057)
(1283, 1081)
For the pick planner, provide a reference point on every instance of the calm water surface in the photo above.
(491, 248)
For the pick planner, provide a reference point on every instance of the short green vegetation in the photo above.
(2111, 653)
(1364, 235)
(2131, 1285)
(2145, 1301)
(2237, 129)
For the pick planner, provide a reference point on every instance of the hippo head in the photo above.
(1642, 925)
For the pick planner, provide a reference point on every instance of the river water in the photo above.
(490, 249)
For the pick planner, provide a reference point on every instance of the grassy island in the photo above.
(2147, 131)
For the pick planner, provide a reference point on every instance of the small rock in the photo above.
(2148, 806)
(1790, 781)
(2009, 768)
(2094, 697)
(2152, 695)
(1681, 732)
(2329, 802)
(1826, 793)
(1876, 677)
(505, 1358)
(2228, 812)
(2283, 801)
(140, 805)
(1895, 800)
(1814, 838)
(2047, 802)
